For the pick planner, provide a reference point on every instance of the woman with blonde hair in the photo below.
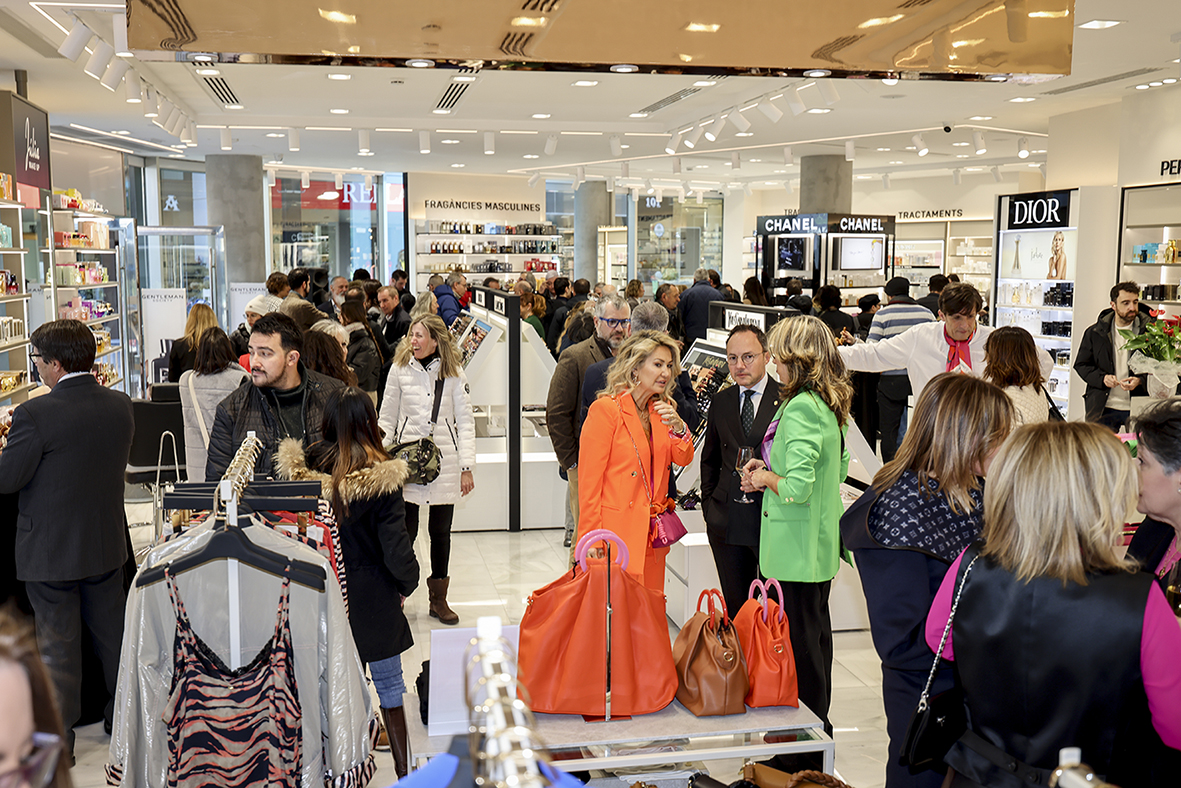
(632, 433)
(924, 507)
(1011, 362)
(182, 356)
(426, 369)
(426, 305)
(1058, 641)
(803, 464)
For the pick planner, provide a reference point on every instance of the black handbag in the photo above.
(1054, 413)
(938, 721)
(422, 457)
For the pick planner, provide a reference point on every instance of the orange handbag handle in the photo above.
(709, 594)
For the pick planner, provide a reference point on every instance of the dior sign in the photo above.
(1042, 209)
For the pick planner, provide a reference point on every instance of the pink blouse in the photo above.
(1160, 644)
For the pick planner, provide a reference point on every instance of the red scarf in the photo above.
(959, 354)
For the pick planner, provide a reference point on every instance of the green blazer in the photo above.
(800, 538)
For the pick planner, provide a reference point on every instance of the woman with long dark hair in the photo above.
(1011, 362)
(364, 486)
(202, 388)
(324, 353)
(364, 356)
(753, 292)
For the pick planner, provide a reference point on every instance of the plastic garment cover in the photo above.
(337, 720)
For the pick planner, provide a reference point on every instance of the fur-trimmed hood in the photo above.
(381, 479)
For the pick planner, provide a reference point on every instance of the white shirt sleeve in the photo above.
(888, 354)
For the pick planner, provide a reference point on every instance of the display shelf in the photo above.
(100, 320)
(13, 345)
(93, 286)
(1154, 265)
(80, 214)
(113, 383)
(85, 249)
(488, 254)
(1151, 226)
(1048, 338)
(15, 297)
(18, 390)
(12, 250)
(11, 204)
(487, 273)
(485, 235)
(109, 351)
(1035, 306)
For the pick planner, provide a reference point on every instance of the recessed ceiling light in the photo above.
(201, 57)
(529, 21)
(1022, 100)
(883, 149)
(458, 166)
(1169, 81)
(276, 134)
(638, 115)
(625, 68)
(745, 134)
(897, 162)
(1155, 84)
(700, 167)
(464, 78)
(1048, 14)
(1043, 150)
(450, 142)
(418, 62)
(1099, 24)
(705, 83)
(339, 77)
(440, 111)
(963, 156)
(208, 72)
(356, 168)
(530, 156)
(339, 111)
(819, 111)
(685, 58)
(701, 27)
(625, 147)
(121, 131)
(996, 78)
(909, 147)
(338, 16)
(585, 83)
(960, 144)
(890, 81)
(879, 21)
(239, 106)
(540, 116)
(980, 117)
(756, 161)
(816, 73)
(864, 177)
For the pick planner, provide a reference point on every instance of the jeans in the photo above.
(387, 678)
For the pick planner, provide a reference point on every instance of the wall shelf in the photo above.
(17, 297)
(13, 345)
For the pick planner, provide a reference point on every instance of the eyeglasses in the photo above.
(36, 770)
(615, 322)
(746, 358)
(33, 355)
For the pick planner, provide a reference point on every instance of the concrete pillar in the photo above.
(826, 184)
(592, 209)
(236, 192)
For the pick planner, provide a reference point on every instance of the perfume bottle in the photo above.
(1017, 256)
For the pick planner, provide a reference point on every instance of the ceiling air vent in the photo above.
(680, 95)
(1102, 81)
(216, 87)
(455, 91)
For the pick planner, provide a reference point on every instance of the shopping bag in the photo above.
(765, 636)
(711, 672)
(596, 615)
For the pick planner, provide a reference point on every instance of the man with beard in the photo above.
(1102, 361)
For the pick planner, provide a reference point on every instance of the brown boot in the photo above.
(437, 591)
(395, 724)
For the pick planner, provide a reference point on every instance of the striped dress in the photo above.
(229, 728)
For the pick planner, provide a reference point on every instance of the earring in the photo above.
(636, 378)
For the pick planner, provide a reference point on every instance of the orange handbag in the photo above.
(710, 667)
(765, 636)
(596, 615)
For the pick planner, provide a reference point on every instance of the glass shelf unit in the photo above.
(14, 311)
(1151, 218)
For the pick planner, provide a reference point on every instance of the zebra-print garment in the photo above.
(229, 728)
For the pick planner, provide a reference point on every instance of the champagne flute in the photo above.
(745, 455)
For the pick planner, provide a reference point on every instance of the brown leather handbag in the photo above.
(768, 777)
(711, 671)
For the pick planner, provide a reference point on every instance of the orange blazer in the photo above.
(611, 491)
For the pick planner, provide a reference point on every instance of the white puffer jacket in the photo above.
(406, 416)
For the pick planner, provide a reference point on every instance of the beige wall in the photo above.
(1084, 148)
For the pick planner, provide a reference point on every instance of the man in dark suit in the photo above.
(738, 416)
(66, 454)
(395, 321)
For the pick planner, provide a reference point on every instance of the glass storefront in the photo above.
(673, 239)
(395, 225)
(182, 198)
(324, 227)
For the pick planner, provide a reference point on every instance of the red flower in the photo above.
(1156, 312)
(1173, 321)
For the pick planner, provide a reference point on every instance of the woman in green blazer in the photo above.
(804, 462)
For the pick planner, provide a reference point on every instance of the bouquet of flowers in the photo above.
(1157, 353)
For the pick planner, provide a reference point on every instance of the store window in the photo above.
(182, 198)
(394, 184)
(673, 239)
(559, 211)
(325, 227)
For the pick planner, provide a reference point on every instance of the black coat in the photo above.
(181, 358)
(1149, 545)
(363, 357)
(559, 322)
(694, 306)
(930, 301)
(247, 408)
(67, 453)
(239, 341)
(393, 329)
(836, 320)
(378, 556)
(1096, 359)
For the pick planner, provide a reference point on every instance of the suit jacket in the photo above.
(67, 453)
(735, 523)
(611, 492)
(565, 397)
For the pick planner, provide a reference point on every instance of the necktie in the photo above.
(748, 411)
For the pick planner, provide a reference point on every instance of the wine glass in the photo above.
(745, 455)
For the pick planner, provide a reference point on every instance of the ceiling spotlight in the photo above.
(886, 180)
(584, 83)
(1042, 169)
(624, 68)
(489, 143)
(580, 174)
(635, 195)
(339, 111)
(978, 143)
(363, 141)
(1023, 148)
(746, 189)
(737, 120)
(715, 128)
(551, 144)
(625, 169)
(816, 73)
(188, 133)
(100, 58)
(611, 185)
(794, 102)
(648, 185)
(541, 116)
(616, 145)
(170, 118)
(533, 179)
(75, 43)
(890, 81)
(338, 179)
(850, 150)
(788, 159)
(150, 102)
(420, 63)
(828, 92)
(424, 142)
(293, 140)
(674, 140)
(270, 177)
(305, 180)
(996, 174)
(368, 181)
(735, 161)
(919, 145)
(772, 112)
(638, 115)
(956, 177)
(677, 165)
(134, 89)
(694, 136)
(787, 185)
(660, 195)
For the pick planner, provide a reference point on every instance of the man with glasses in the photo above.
(738, 416)
(66, 455)
(612, 318)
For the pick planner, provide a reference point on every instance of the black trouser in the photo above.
(893, 391)
(438, 528)
(1115, 419)
(737, 566)
(60, 609)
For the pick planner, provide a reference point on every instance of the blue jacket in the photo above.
(449, 307)
(694, 308)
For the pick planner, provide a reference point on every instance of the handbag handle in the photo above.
(765, 587)
(601, 534)
(709, 594)
(943, 640)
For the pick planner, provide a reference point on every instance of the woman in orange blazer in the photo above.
(631, 434)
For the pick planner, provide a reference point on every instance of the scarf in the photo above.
(959, 354)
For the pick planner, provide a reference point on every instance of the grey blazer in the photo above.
(67, 452)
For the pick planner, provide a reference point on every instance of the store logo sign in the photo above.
(736, 318)
(1170, 167)
(29, 155)
(171, 204)
(32, 149)
(862, 224)
(1043, 209)
(804, 223)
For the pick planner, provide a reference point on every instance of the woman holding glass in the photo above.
(803, 463)
(632, 433)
